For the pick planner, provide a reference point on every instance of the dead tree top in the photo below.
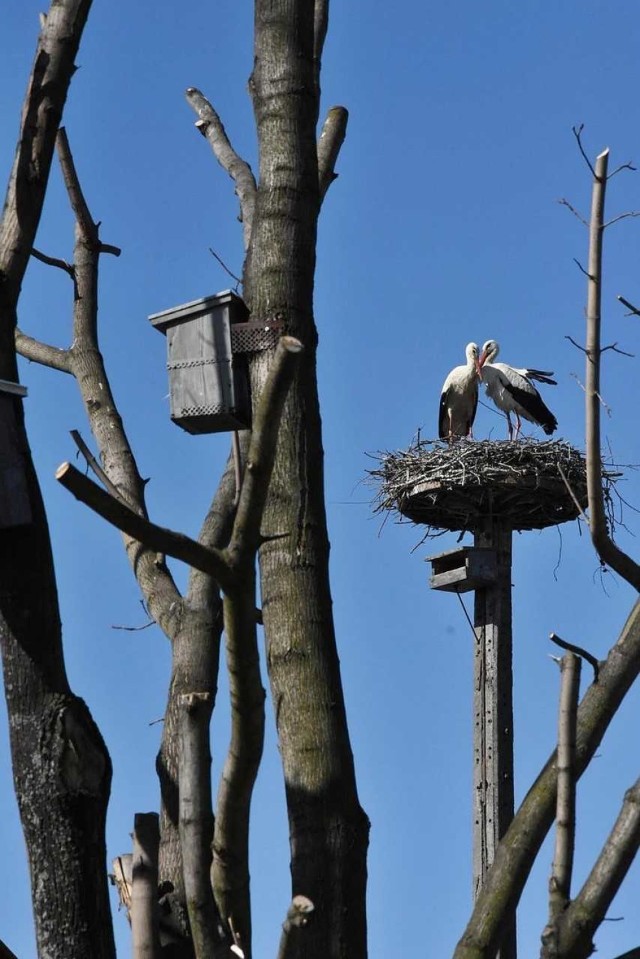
(459, 487)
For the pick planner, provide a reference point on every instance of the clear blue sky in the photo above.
(442, 227)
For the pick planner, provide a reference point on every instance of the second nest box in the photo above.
(207, 343)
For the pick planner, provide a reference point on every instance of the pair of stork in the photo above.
(510, 389)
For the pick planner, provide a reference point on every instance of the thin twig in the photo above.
(623, 166)
(226, 268)
(577, 132)
(580, 267)
(579, 651)
(616, 349)
(565, 202)
(577, 345)
(621, 216)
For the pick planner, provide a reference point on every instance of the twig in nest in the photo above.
(571, 493)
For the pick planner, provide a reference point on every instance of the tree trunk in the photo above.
(328, 829)
(61, 767)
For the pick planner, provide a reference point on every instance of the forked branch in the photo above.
(584, 915)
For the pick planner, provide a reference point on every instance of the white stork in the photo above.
(459, 399)
(512, 391)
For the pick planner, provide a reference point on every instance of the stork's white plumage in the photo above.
(459, 399)
(512, 391)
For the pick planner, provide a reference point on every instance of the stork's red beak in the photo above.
(483, 359)
(479, 368)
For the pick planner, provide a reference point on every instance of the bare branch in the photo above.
(297, 918)
(245, 537)
(609, 553)
(577, 132)
(589, 908)
(50, 78)
(210, 125)
(623, 166)
(564, 202)
(74, 190)
(331, 139)
(230, 872)
(196, 824)
(577, 345)
(579, 651)
(616, 349)
(144, 895)
(580, 266)
(560, 882)
(53, 261)
(622, 216)
(154, 537)
(38, 352)
(320, 23)
(629, 306)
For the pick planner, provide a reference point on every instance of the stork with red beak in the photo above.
(459, 399)
(512, 391)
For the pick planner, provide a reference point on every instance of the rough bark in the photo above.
(62, 770)
(144, 896)
(328, 828)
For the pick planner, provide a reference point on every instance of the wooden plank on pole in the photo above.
(493, 801)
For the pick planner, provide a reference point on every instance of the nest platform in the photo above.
(461, 486)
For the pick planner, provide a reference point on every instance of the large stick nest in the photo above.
(525, 484)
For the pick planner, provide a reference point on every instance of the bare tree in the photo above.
(280, 209)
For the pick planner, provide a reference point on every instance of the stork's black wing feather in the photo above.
(443, 417)
(542, 376)
(533, 403)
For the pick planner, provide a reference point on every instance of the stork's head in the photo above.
(490, 351)
(473, 357)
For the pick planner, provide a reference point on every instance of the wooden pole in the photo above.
(493, 801)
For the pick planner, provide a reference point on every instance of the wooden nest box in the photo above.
(463, 569)
(521, 485)
(207, 343)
